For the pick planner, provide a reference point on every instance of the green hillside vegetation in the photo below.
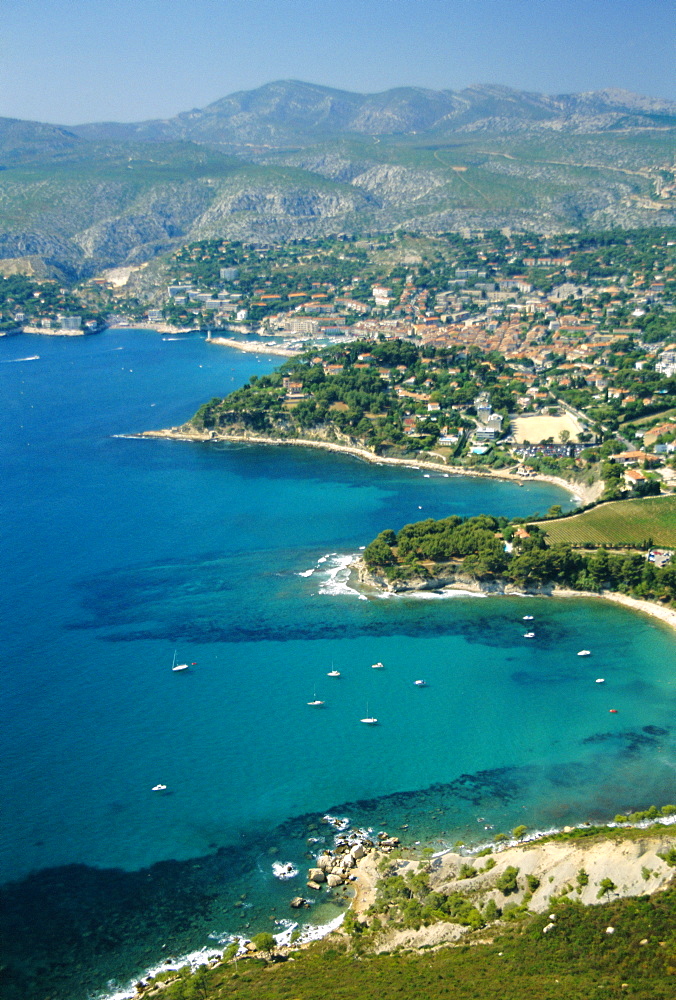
(356, 400)
(626, 522)
(578, 961)
(475, 547)
(37, 299)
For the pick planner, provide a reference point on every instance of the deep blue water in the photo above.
(117, 551)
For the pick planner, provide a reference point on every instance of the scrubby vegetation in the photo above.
(579, 959)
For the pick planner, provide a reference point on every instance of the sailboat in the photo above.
(178, 666)
(316, 702)
(333, 672)
(370, 720)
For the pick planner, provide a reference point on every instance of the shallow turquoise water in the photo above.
(118, 551)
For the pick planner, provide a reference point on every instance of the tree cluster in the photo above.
(477, 546)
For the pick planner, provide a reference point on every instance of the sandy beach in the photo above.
(664, 614)
(583, 494)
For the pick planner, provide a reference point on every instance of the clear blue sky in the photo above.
(74, 61)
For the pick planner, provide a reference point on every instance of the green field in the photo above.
(623, 522)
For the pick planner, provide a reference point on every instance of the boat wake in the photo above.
(13, 361)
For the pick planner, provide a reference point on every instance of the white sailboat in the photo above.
(178, 666)
(370, 720)
(316, 702)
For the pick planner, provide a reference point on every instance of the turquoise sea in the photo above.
(118, 551)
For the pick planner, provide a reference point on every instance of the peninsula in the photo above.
(393, 402)
(492, 555)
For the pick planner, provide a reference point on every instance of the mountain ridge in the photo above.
(291, 160)
(276, 109)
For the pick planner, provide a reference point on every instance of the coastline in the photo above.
(47, 332)
(254, 348)
(579, 492)
(663, 614)
(584, 493)
(469, 585)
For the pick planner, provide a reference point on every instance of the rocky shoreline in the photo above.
(583, 494)
(620, 860)
(464, 583)
(634, 867)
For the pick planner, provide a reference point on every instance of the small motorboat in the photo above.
(529, 635)
(420, 684)
(527, 618)
(584, 652)
(600, 680)
(613, 711)
(377, 666)
(159, 788)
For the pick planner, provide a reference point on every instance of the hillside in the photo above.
(588, 910)
(292, 160)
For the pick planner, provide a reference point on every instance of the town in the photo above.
(555, 352)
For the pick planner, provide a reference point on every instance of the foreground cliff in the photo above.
(586, 912)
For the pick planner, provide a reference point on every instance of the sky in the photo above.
(75, 61)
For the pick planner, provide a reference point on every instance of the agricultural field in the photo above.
(622, 522)
(540, 428)
(652, 418)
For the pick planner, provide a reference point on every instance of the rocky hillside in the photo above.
(293, 160)
(291, 111)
